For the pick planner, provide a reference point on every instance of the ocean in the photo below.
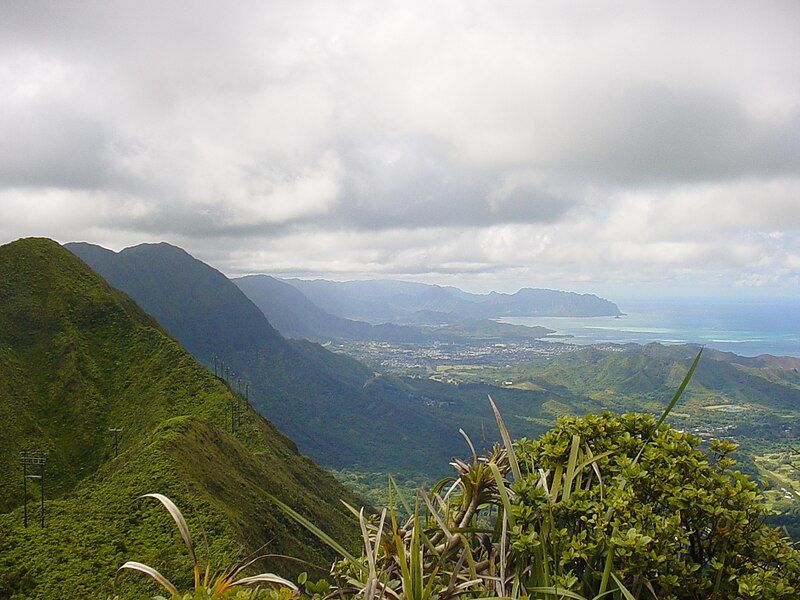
(746, 327)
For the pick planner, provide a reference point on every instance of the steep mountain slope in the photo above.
(335, 408)
(189, 307)
(406, 302)
(295, 316)
(79, 357)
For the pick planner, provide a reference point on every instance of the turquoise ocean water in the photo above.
(746, 327)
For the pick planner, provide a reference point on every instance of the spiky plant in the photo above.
(456, 539)
(218, 585)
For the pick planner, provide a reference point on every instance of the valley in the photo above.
(340, 395)
(758, 408)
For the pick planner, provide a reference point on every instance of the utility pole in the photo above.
(24, 493)
(215, 365)
(116, 431)
(236, 413)
(32, 457)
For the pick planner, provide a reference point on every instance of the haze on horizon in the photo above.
(599, 146)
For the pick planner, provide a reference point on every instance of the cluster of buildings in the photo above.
(427, 360)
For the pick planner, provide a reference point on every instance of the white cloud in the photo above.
(516, 143)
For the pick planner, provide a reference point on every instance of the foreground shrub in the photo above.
(682, 524)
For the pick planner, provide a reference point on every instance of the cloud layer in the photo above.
(492, 144)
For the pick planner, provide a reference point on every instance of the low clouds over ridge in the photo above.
(503, 144)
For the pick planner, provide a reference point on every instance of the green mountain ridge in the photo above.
(79, 357)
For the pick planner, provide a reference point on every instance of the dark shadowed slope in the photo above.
(334, 407)
(199, 306)
(78, 357)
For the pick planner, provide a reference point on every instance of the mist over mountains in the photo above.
(295, 316)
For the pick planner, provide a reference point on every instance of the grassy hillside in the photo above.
(647, 372)
(79, 357)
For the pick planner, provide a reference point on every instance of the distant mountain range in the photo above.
(295, 316)
(79, 357)
(405, 302)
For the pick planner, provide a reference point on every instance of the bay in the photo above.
(747, 327)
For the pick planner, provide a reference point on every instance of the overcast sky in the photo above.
(590, 146)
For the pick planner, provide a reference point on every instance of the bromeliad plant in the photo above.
(219, 585)
(461, 537)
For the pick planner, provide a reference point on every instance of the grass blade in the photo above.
(136, 566)
(501, 488)
(399, 495)
(439, 521)
(177, 516)
(673, 402)
(321, 535)
(555, 591)
(469, 443)
(571, 464)
(415, 558)
(373, 572)
(512, 457)
(626, 594)
(265, 578)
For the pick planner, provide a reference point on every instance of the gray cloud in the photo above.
(517, 141)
